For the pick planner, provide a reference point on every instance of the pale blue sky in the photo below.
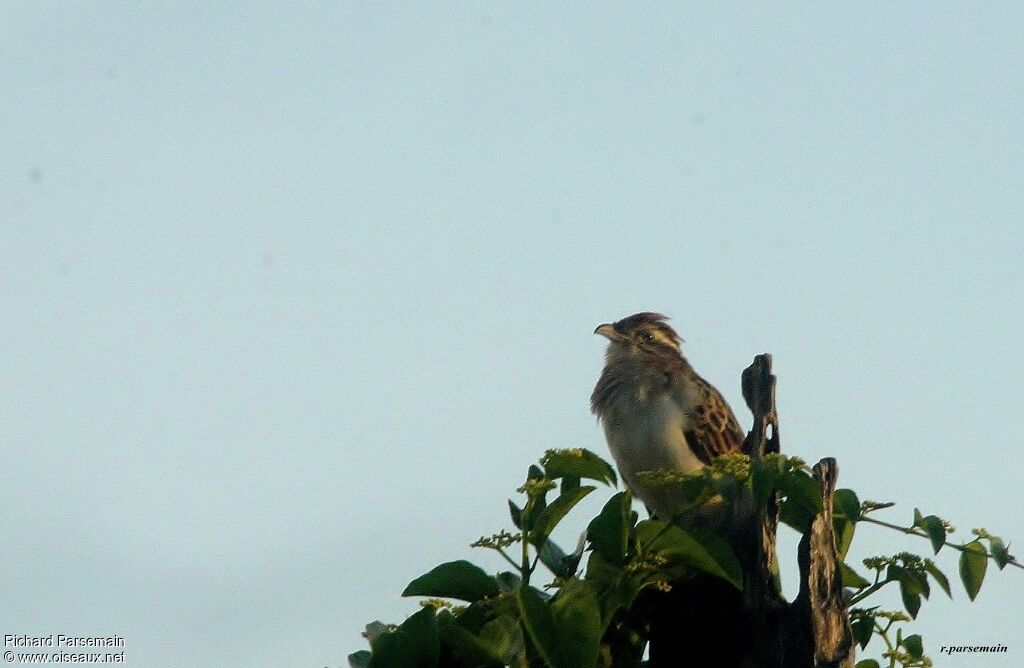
(292, 295)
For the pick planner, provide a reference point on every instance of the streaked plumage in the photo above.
(657, 412)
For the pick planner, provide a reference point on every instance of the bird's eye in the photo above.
(647, 337)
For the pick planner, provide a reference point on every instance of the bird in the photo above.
(658, 413)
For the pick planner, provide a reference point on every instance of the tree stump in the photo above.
(705, 622)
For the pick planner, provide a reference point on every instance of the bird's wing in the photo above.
(714, 429)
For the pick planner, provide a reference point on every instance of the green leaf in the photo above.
(578, 463)
(375, 629)
(415, 643)
(554, 513)
(567, 632)
(845, 513)
(618, 587)
(800, 487)
(601, 573)
(508, 581)
(516, 513)
(503, 635)
(911, 601)
(863, 628)
(844, 530)
(915, 647)
(569, 482)
(936, 531)
(938, 576)
(535, 507)
(763, 478)
(444, 617)
(845, 501)
(851, 578)
(469, 649)
(476, 615)
(572, 561)
(553, 556)
(794, 514)
(701, 551)
(609, 531)
(539, 623)
(802, 497)
(493, 646)
(473, 617)
(912, 584)
(914, 581)
(910, 587)
(455, 579)
(560, 564)
(577, 617)
(867, 663)
(973, 562)
(557, 561)
(999, 553)
(360, 659)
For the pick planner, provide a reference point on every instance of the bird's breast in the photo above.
(649, 434)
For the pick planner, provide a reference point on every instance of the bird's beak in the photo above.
(607, 330)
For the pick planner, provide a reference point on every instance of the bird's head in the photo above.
(640, 336)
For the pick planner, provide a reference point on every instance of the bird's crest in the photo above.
(628, 324)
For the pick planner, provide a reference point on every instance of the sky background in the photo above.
(292, 295)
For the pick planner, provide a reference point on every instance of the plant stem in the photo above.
(868, 592)
(525, 569)
(888, 643)
(507, 558)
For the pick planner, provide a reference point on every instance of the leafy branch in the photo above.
(911, 572)
(997, 550)
(591, 611)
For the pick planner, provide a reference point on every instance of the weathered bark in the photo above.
(763, 603)
(819, 624)
(700, 623)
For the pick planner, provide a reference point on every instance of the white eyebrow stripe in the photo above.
(662, 337)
